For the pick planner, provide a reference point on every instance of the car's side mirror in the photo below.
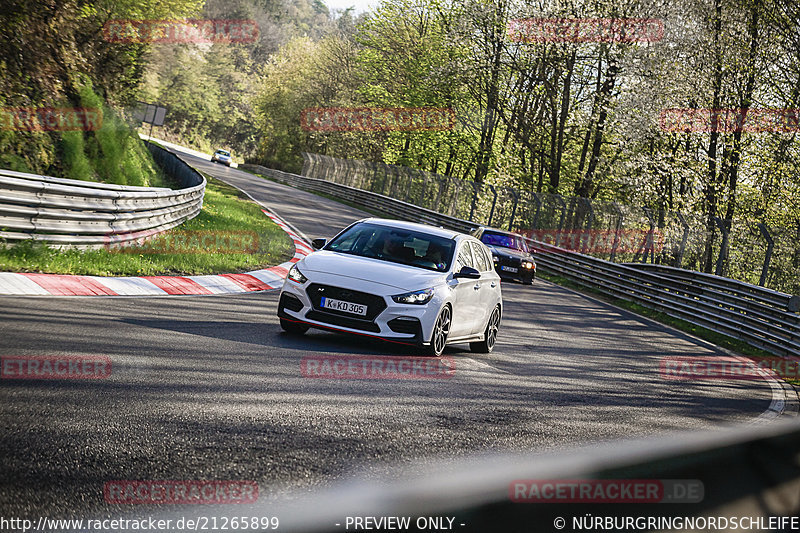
(318, 244)
(467, 273)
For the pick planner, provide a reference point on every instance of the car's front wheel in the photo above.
(441, 330)
(489, 335)
(293, 327)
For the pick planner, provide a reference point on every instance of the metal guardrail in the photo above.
(719, 304)
(82, 214)
(761, 317)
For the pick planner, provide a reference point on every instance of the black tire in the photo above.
(489, 334)
(293, 328)
(527, 281)
(441, 330)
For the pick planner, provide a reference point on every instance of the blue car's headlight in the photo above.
(417, 297)
(296, 276)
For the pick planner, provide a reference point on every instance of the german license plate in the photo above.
(513, 270)
(341, 305)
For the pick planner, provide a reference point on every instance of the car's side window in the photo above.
(488, 255)
(464, 257)
(480, 257)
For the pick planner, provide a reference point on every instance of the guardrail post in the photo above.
(684, 239)
(535, 224)
(589, 222)
(454, 204)
(649, 248)
(473, 201)
(768, 255)
(410, 174)
(563, 212)
(494, 202)
(515, 195)
(725, 227)
(617, 228)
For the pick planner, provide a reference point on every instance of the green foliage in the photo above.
(76, 164)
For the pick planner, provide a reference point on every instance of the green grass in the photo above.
(250, 240)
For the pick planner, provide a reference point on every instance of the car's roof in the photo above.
(499, 232)
(401, 224)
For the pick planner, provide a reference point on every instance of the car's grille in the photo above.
(343, 321)
(508, 261)
(375, 304)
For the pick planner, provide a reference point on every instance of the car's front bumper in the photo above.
(522, 274)
(399, 323)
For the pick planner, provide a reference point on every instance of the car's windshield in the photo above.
(505, 240)
(223, 152)
(396, 245)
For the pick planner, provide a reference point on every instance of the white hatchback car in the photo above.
(400, 282)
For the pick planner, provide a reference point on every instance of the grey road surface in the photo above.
(209, 388)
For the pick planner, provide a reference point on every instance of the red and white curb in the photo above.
(30, 284)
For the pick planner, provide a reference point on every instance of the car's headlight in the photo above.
(416, 297)
(296, 276)
(527, 264)
(495, 258)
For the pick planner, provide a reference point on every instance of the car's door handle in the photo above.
(494, 284)
(477, 286)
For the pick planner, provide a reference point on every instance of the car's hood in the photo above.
(394, 275)
(509, 252)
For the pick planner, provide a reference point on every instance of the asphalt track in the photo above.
(210, 388)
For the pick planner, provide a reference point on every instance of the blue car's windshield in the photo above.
(396, 245)
(504, 240)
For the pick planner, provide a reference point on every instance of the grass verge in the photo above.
(230, 234)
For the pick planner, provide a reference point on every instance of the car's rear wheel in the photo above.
(441, 330)
(489, 335)
(293, 328)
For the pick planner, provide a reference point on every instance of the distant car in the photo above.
(512, 258)
(222, 156)
(398, 281)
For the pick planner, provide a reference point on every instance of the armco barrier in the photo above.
(83, 214)
(761, 317)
